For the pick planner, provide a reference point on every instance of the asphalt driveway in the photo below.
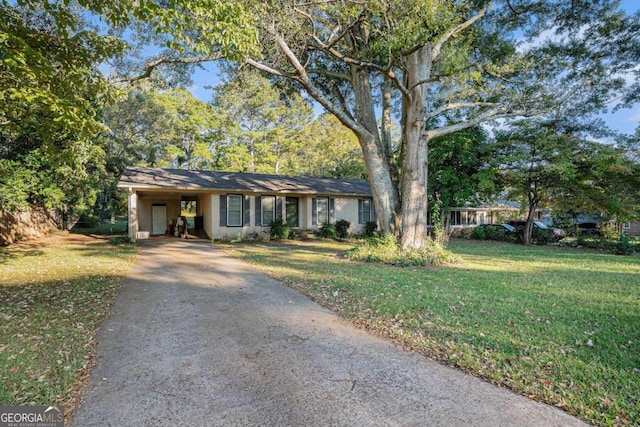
(198, 338)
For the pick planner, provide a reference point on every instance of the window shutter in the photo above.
(314, 211)
(258, 210)
(223, 210)
(360, 211)
(247, 211)
(278, 208)
(332, 211)
(374, 215)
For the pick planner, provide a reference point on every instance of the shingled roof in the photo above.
(156, 178)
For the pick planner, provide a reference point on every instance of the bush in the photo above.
(87, 221)
(120, 240)
(375, 249)
(542, 237)
(342, 228)
(328, 231)
(478, 233)
(370, 228)
(386, 250)
(610, 232)
(495, 233)
(279, 229)
(622, 246)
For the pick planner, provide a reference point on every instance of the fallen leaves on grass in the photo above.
(57, 295)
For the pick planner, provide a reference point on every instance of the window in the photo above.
(323, 210)
(234, 210)
(462, 218)
(364, 211)
(291, 211)
(455, 218)
(471, 218)
(268, 209)
(626, 226)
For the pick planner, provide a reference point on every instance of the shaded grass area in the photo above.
(559, 325)
(116, 227)
(54, 294)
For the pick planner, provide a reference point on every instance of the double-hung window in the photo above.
(323, 210)
(268, 206)
(234, 210)
(364, 211)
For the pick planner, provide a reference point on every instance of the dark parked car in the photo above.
(503, 228)
(558, 233)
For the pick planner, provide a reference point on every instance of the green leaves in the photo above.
(203, 26)
(550, 163)
(262, 126)
(462, 169)
(49, 88)
(49, 77)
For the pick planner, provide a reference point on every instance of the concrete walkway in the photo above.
(198, 338)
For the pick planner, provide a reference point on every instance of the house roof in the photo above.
(502, 204)
(156, 178)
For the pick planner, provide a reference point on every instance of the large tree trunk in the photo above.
(385, 192)
(415, 155)
(534, 200)
(414, 182)
(528, 228)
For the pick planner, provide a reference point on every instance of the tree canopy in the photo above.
(432, 60)
(51, 90)
(548, 163)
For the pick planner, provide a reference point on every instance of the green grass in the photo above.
(54, 294)
(557, 324)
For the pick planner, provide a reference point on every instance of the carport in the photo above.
(154, 212)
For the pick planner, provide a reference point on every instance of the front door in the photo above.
(159, 219)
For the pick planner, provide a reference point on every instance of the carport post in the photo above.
(133, 215)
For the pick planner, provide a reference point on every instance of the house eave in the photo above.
(151, 188)
(168, 180)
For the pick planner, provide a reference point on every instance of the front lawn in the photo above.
(54, 294)
(560, 325)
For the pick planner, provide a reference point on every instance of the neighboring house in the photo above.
(491, 213)
(631, 228)
(228, 204)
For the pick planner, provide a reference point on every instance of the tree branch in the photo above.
(344, 58)
(457, 106)
(262, 67)
(491, 114)
(435, 52)
(336, 37)
(313, 91)
(335, 74)
(152, 65)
